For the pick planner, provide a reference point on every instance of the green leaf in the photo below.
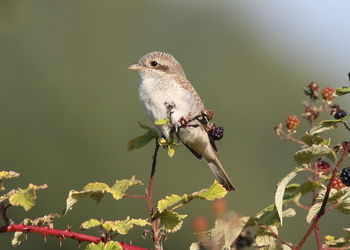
(25, 197)
(307, 155)
(280, 191)
(226, 232)
(6, 175)
(264, 238)
(90, 223)
(342, 91)
(111, 245)
(344, 201)
(215, 191)
(162, 121)
(119, 188)
(95, 190)
(144, 139)
(326, 125)
(168, 201)
(311, 139)
(170, 220)
(123, 226)
(313, 211)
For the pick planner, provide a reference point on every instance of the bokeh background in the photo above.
(69, 105)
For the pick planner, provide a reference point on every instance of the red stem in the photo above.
(325, 199)
(61, 234)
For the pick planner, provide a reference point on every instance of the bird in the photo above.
(165, 92)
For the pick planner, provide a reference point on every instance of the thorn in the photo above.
(79, 243)
(60, 239)
(44, 235)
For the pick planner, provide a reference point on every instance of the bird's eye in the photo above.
(154, 63)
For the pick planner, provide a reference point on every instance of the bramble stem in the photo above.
(321, 212)
(61, 234)
(155, 226)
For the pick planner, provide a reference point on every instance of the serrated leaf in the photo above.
(144, 139)
(111, 245)
(170, 220)
(18, 238)
(344, 200)
(307, 155)
(119, 188)
(326, 125)
(215, 191)
(95, 190)
(123, 226)
(280, 191)
(313, 211)
(90, 223)
(168, 201)
(6, 175)
(311, 139)
(162, 121)
(264, 238)
(342, 91)
(25, 197)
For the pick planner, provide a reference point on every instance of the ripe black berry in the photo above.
(340, 114)
(216, 132)
(345, 176)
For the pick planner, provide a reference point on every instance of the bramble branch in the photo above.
(61, 234)
(325, 200)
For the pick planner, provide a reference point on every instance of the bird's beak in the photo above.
(136, 66)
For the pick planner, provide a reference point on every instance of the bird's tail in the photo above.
(220, 174)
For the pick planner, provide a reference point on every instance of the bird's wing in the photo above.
(188, 86)
(198, 155)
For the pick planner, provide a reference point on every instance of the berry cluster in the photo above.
(322, 167)
(337, 112)
(327, 94)
(345, 176)
(216, 133)
(337, 183)
(292, 123)
(311, 113)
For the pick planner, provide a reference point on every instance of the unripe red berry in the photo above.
(327, 94)
(220, 207)
(292, 123)
(200, 224)
(337, 183)
(322, 167)
(313, 86)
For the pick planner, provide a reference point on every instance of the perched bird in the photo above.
(165, 92)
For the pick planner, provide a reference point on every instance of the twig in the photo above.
(291, 138)
(61, 234)
(297, 203)
(136, 196)
(155, 225)
(321, 212)
(278, 237)
(3, 211)
(336, 248)
(318, 237)
(346, 126)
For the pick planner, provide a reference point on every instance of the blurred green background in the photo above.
(69, 105)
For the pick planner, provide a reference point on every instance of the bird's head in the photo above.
(158, 64)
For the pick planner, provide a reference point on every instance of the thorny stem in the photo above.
(321, 212)
(61, 234)
(318, 238)
(155, 225)
(136, 196)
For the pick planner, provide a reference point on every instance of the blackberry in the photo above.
(292, 123)
(216, 133)
(340, 114)
(345, 176)
(327, 94)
